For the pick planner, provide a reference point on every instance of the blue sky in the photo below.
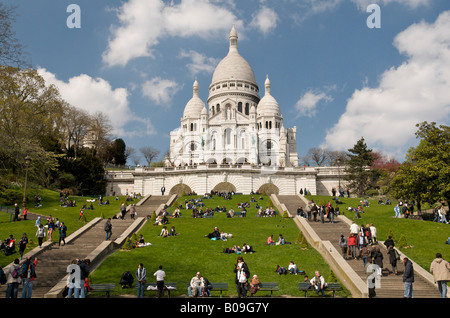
(335, 78)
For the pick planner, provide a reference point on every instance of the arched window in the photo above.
(218, 108)
(212, 111)
(247, 109)
(240, 107)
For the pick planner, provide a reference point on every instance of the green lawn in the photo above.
(183, 255)
(424, 238)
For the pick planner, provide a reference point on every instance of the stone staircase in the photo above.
(391, 286)
(54, 259)
(153, 203)
(89, 240)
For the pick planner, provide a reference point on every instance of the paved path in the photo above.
(391, 286)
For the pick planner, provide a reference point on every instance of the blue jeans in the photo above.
(108, 235)
(140, 290)
(442, 286)
(409, 290)
(75, 291)
(12, 290)
(27, 288)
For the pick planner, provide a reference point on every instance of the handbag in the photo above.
(397, 255)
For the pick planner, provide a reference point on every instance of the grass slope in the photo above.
(183, 255)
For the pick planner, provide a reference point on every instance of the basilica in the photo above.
(235, 125)
(233, 142)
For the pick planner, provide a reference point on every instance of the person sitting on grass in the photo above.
(215, 235)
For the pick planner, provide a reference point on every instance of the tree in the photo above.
(358, 174)
(425, 175)
(30, 123)
(149, 154)
(116, 152)
(10, 48)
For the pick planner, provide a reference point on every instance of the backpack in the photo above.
(15, 273)
(23, 270)
(2, 277)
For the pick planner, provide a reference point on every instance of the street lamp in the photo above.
(339, 173)
(27, 164)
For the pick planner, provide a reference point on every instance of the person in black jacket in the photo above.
(242, 274)
(408, 277)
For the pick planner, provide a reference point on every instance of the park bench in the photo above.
(152, 287)
(268, 287)
(215, 287)
(308, 287)
(102, 288)
(219, 287)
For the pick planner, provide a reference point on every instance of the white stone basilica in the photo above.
(236, 143)
(237, 126)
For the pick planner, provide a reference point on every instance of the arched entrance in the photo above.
(179, 189)
(225, 187)
(269, 188)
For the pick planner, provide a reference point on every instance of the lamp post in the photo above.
(339, 174)
(27, 164)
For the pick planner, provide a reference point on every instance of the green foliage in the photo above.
(285, 214)
(402, 241)
(332, 278)
(10, 196)
(301, 240)
(127, 245)
(357, 174)
(391, 234)
(425, 176)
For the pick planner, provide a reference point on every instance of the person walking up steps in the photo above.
(440, 269)
(108, 229)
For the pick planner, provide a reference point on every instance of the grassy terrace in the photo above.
(183, 255)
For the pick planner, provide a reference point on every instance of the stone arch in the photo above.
(179, 189)
(269, 188)
(225, 187)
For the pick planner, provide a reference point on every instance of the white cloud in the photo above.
(265, 20)
(96, 95)
(413, 4)
(307, 104)
(143, 23)
(415, 91)
(160, 90)
(200, 62)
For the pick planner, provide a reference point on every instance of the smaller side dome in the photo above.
(195, 107)
(268, 105)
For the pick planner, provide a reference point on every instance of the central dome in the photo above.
(233, 66)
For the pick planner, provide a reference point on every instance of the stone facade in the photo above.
(244, 179)
(237, 126)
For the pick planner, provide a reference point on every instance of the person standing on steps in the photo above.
(108, 229)
(123, 210)
(408, 278)
(440, 269)
(40, 234)
(62, 233)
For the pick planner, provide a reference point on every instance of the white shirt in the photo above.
(354, 228)
(160, 274)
